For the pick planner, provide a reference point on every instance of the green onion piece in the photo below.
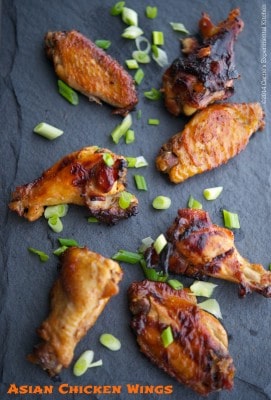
(139, 75)
(160, 57)
(179, 27)
(129, 136)
(139, 114)
(83, 363)
(132, 32)
(68, 242)
(117, 8)
(68, 93)
(141, 57)
(231, 220)
(160, 243)
(175, 284)
(153, 121)
(141, 162)
(167, 336)
(212, 306)
(161, 203)
(132, 64)
(153, 94)
(158, 38)
(204, 289)
(151, 274)
(110, 341)
(151, 12)
(129, 16)
(122, 128)
(193, 203)
(60, 250)
(145, 244)
(269, 267)
(141, 39)
(108, 159)
(103, 44)
(59, 210)
(212, 193)
(127, 256)
(125, 200)
(92, 219)
(141, 183)
(131, 162)
(43, 256)
(154, 50)
(98, 363)
(47, 131)
(55, 224)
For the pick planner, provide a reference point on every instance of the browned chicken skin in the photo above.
(81, 178)
(198, 356)
(198, 248)
(86, 283)
(88, 69)
(212, 136)
(206, 71)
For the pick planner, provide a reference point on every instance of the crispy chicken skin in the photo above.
(88, 69)
(198, 356)
(81, 178)
(197, 248)
(212, 137)
(206, 72)
(86, 283)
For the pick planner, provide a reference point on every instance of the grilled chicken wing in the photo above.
(198, 248)
(81, 178)
(198, 356)
(88, 69)
(86, 283)
(206, 72)
(209, 139)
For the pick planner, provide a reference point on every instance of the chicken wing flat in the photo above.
(86, 283)
(88, 69)
(81, 178)
(206, 72)
(198, 357)
(212, 137)
(199, 248)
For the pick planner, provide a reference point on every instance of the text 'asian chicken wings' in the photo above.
(82, 178)
(206, 71)
(198, 356)
(86, 283)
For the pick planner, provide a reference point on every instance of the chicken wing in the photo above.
(209, 139)
(88, 69)
(86, 283)
(81, 178)
(198, 248)
(198, 357)
(206, 72)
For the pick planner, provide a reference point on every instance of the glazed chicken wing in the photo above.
(198, 357)
(86, 283)
(209, 139)
(83, 178)
(88, 69)
(206, 72)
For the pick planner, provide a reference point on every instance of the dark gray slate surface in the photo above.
(29, 96)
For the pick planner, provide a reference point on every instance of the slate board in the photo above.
(29, 96)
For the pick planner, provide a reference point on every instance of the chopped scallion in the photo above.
(158, 38)
(68, 242)
(212, 193)
(160, 243)
(127, 256)
(59, 210)
(129, 16)
(108, 159)
(179, 27)
(153, 94)
(129, 136)
(141, 57)
(83, 363)
(161, 203)
(154, 50)
(231, 220)
(145, 244)
(151, 274)
(193, 203)
(125, 200)
(110, 341)
(160, 57)
(103, 44)
(141, 162)
(132, 32)
(131, 162)
(60, 250)
(204, 289)
(117, 8)
(42, 256)
(269, 267)
(98, 363)
(139, 75)
(175, 284)
(167, 336)
(122, 128)
(68, 93)
(151, 12)
(141, 39)
(132, 64)
(47, 131)
(55, 224)
(141, 183)
(139, 114)
(153, 121)
(92, 219)
(212, 306)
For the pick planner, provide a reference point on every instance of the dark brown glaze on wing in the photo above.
(80, 178)
(86, 283)
(199, 356)
(88, 69)
(211, 137)
(206, 72)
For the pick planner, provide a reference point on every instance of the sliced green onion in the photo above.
(141, 183)
(269, 267)
(212, 193)
(60, 250)
(231, 220)
(92, 219)
(139, 114)
(179, 27)
(132, 32)
(160, 57)
(122, 128)
(125, 200)
(98, 363)
(141, 57)
(129, 136)
(167, 336)
(131, 162)
(212, 306)
(132, 64)
(151, 274)
(59, 210)
(83, 363)
(103, 44)
(153, 94)
(110, 341)
(151, 12)
(160, 243)
(141, 162)
(127, 256)
(204, 289)
(193, 203)
(43, 256)
(154, 50)
(68, 242)
(55, 224)
(139, 75)
(47, 131)
(158, 38)
(108, 159)
(68, 93)
(161, 203)
(145, 244)
(141, 39)
(153, 121)
(175, 284)
(129, 16)
(117, 8)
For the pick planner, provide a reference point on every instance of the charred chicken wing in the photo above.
(206, 72)
(86, 283)
(88, 69)
(83, 178)
(209, 139)
(198, 356)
